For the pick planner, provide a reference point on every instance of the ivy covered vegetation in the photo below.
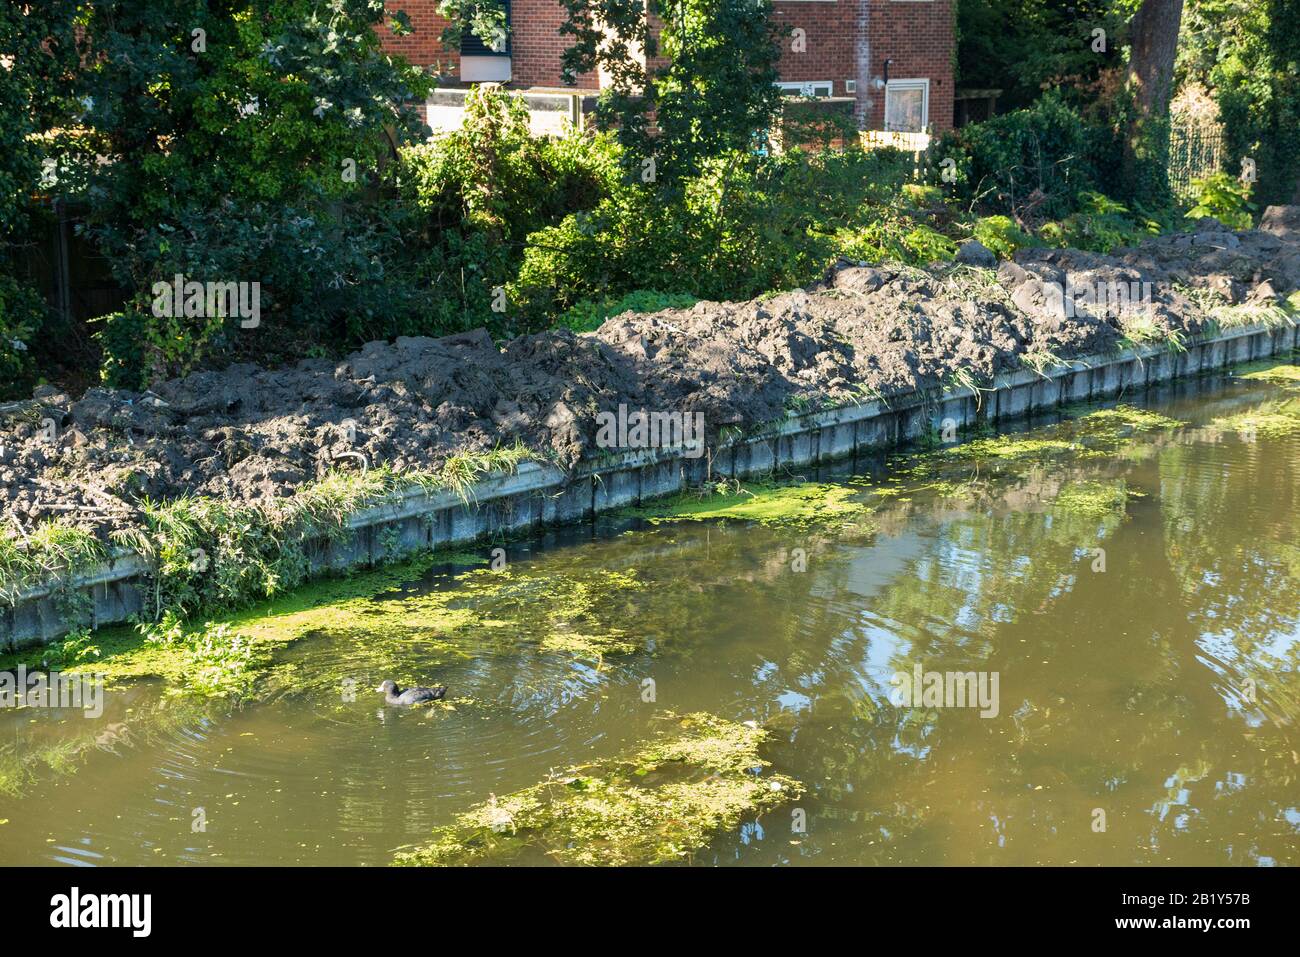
(274, 141)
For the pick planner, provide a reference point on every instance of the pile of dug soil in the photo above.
(249, 433)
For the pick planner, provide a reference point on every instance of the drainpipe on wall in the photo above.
(862, 65)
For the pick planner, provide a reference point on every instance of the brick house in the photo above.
(890, 61)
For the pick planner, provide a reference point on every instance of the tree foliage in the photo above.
(1247, 53)
(235, 140)
(38, 60)
(1025, 47)
(685, 80)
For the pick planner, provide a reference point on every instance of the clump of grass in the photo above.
(969, 380)
(1140, 328)
(54, 550)
(1041, 360)
(656, 806)
(1267, 314)
(216, 553)
(462, 470)
(1223, 314)
(212, 553)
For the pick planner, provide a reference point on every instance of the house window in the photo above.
(473, 45)
(481, 63)
(809, 88)
(907, 106)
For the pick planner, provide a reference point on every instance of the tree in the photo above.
(235, 140)
(711, 92)
(1154, 41)
(38, 58)
(1024, 47)
(1153, 36)
(1244, 53)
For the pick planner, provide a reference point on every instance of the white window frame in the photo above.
(807, 87)
(917, 84)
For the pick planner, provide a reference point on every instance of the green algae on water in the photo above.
(1093, 499)
(1284, 374)
(1008, 448)
(478, 611)
(809, 503)
(1269, 420)
(1120, 421)
(656, 806)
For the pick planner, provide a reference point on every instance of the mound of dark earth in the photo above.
(250, 433)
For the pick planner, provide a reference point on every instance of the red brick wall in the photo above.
(538, 45)
(827, 40)
(919, 38)
(536, 41)
(916, 34)
(424, 46)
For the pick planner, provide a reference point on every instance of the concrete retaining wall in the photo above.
(538, 495)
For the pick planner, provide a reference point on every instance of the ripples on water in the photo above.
(1163, 691)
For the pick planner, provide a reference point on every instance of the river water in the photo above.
(1147, 693)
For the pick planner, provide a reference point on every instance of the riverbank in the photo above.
(259, 467)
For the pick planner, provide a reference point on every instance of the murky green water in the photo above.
(1161, 692)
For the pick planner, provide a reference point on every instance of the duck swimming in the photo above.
(411, 696)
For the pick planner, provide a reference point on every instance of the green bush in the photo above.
(22, 312)
(124, 337)
(1224, 198)
(39, 45)
(257, 158)
(1001, 236)
(588, 315)
(922, 195)
(492, 175)
(1037, 160)
(747, 225)
(891, 235)
(1100, 225)
(479, 191)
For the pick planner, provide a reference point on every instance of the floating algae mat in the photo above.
(656, 806)
(486, 611)
(1098, 432)
(1278, 373)
(1093, 499)
(1270, 420)
(1127, 573)
(768, 504)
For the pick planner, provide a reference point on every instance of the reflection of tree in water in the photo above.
(1230, 530)
(1102, 689)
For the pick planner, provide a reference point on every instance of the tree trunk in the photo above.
(1153, 36)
